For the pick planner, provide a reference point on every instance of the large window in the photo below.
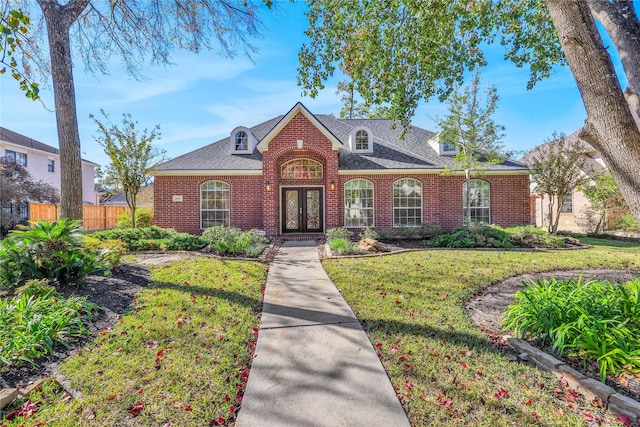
(214, 204)
(479, 201)
(301, 169)
(358, 203)
(17, 158)
(407, 202)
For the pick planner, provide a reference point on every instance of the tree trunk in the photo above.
(59, 19)
(620, 21)
(467, 208)
(610, 127)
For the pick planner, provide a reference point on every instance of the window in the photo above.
(214, 204)
(241, 141)
(407, 202)
(51, 165)
(17, 158)
(362, 140)
(479, 201)
(301, 169)
(567, 204)
(358, 203)
(449, 147)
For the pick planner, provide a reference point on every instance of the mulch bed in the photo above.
(114, 294)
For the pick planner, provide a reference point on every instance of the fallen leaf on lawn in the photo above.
(528, 402)
(447, 403)
(408, 385)
(135, 409)
(624, 419)
(535, 415)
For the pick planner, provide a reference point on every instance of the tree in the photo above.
(604, 196)
(17, 188)
(404, 52)
(14, 27)
(132, 156)
(352, 109)
(556, 170)
(470, 127)
(133, 30)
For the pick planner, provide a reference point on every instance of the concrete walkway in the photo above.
(314, 365)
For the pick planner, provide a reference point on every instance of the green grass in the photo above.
(444, 369)
(180, 357)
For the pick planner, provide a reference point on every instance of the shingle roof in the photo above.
(389, 151)
(24, 141)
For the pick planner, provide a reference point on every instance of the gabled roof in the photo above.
(298, 108)
(390, 153)
(15, 138)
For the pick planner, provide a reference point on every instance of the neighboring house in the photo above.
(145, 198)
(42, 161)
(575, 206)
(306, 173)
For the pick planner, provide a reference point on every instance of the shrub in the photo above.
(152, 238)
(339, 233)
(343, 246)
(110, 251)
(408, 233)
(368, 233)
(144, 218)
(429, 231)
(530, 236)
(233, 241)
(37, 318)
(385, 233)
(46, 250)
(592, 319)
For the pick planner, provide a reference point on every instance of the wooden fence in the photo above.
(95, 217)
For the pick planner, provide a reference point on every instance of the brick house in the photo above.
(306, 173)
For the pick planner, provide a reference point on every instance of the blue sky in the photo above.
(203, 97)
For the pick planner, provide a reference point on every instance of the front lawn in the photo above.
(444, 369)
(181, 358)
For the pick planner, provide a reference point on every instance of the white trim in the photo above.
(200, 197)
(36, 151)
(212, 172)
(423, 171)
(352, 140)
(298, 108)
(251, 140)
(373, 200)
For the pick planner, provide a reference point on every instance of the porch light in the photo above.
(332, 185)
(267, 185)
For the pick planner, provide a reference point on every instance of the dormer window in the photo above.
(242, 141)
(443, 148)
(360, 140)
(448, 147)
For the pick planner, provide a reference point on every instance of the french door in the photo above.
(302, 210)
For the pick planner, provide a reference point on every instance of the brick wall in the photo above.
(246, 193)
(253, 206)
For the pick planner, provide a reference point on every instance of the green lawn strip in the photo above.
(446, 371)
(181, 357)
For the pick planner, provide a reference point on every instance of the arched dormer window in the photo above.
(242, 141)
(361, 140)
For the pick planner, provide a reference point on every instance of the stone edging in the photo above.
(594, 391)
(8, 395)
